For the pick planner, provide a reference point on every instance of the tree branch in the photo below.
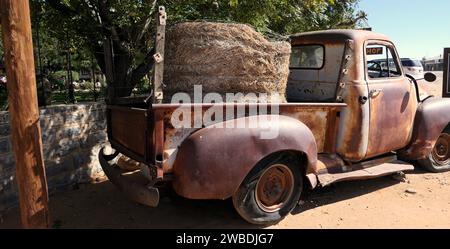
(143, 68)
(64, 9)
(147, 22)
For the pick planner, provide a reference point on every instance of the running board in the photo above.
(365, 173)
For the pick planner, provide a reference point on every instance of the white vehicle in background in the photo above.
(413, 68)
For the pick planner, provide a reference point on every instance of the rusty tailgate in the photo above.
(127, 130)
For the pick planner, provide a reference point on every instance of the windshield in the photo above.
(411, 63)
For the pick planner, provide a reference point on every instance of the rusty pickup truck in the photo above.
(351, 114)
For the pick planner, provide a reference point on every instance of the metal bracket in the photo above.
(162, 16)
(158, 58)
(158, 95)
(346, 58)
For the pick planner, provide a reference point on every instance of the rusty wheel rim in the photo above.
(274, 188)
(441, 151)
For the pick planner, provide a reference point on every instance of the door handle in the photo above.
(375, 93)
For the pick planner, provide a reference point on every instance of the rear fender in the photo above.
(214, 161)
(432, 117)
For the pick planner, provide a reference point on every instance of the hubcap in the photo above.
(274, 188)
(441, 151)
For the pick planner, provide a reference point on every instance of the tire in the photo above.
(262, 198)
(439, 158)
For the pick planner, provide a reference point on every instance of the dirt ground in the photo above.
(433, 88)
(420, 201)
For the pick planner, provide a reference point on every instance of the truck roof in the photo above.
(339, 35)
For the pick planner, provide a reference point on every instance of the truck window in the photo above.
(381, 63)
(307, 57)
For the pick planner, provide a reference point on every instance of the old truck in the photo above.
(349, 116)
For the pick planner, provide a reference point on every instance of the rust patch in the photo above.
(329, 163)
(433, 116)
(392, 115)
(320, 118)
(212, 163)
(352, 133)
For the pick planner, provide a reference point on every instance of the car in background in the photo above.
(413, 68)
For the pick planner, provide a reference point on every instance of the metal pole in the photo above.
(93, 77)
(69, 71)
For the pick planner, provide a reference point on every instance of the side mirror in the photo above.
(430, 77)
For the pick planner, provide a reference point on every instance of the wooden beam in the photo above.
(158, 71)
(24, 113)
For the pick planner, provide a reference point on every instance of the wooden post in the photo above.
(158, 71)
(446, 79)
(24, 113)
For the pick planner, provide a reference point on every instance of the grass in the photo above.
(80, 96)
(58, 97)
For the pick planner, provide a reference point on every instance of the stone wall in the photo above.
(72, 135)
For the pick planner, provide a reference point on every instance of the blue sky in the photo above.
(418, 27)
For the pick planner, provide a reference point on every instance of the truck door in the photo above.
(391, 97)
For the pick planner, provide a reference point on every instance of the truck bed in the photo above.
(147, 135)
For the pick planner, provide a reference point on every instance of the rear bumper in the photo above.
(142, 193)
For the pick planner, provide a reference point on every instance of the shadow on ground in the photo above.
(341, 191)
(101, 205)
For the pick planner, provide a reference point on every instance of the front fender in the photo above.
(432, 117)
(214, 161)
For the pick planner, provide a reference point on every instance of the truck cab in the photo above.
(351, 114)
(381, 100)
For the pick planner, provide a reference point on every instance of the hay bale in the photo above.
(224, 58)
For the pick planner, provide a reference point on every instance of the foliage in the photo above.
(63, 75)
(1, 45)
(3, 92)
(80, 96)
(281, 16)
(58, 79)
(3, 100)
(83, 26)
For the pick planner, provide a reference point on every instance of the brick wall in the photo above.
(72, 135)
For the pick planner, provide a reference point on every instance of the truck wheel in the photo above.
(270, 191)
(439, 158)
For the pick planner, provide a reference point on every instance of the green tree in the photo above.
(130, 25)
(3, 93)
(1, 47)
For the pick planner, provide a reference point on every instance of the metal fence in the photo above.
(60, 91)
